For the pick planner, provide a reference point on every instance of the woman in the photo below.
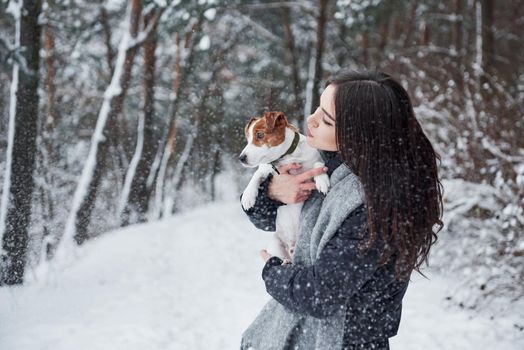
(358, 244)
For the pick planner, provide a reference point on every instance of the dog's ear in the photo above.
(274, 120)
(249, 124)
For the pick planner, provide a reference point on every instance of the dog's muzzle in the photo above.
(243, 158)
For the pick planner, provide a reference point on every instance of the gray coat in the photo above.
(333, 295)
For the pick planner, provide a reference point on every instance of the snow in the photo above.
(114, 5)
(193, 282)
(210, 14)
(14, 7)
(204, 43)
(462, 196)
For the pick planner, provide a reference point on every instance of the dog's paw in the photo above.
(249, 197)
(322, 183)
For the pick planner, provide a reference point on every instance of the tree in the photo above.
(319, 51)
(23, 122)
(487, 43)
(83, 201)
(136, 193)
(112, 107)
(180, 90)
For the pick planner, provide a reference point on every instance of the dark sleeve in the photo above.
(264, 213)
(339, 272)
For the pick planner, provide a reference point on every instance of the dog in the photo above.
(272, 141)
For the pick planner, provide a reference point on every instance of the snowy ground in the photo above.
(193, 282)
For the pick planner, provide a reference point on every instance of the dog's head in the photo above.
(265, 139)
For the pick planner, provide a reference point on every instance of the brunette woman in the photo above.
(359, 244)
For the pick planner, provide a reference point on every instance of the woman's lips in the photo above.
(309, 133)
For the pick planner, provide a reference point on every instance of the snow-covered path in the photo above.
(193, 282)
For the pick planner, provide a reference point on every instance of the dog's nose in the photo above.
(242, 158)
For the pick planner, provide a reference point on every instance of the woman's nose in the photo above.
(311, 121)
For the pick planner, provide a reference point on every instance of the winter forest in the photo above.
(120, 115)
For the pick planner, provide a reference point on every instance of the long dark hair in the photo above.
(382, 142)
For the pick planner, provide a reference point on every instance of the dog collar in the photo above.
(291, 149)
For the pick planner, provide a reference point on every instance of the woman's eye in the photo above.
(260, 135)
(325, 122)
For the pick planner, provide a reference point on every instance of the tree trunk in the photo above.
(321, 29)
(342, 54)
(201, 144)
(272, 93)
(214, 172)
(292, 60)
(408, 24)
(365, 48)
(217, 164)
(107, 39)
(49, 234)
(488, 41)
(24, 123)
(139, 193)
(49, 44)
(179, 83)
(384, 32)
(83, 201)
(424, 33)
(457, 43)
(116, 104)
(47, 155)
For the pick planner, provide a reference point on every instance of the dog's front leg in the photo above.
(321, 181)
(250, 194)
(278, 248)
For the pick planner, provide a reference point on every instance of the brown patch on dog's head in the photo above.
(269, 130)
(274, 120)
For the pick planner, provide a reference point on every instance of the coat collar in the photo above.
(332, 160)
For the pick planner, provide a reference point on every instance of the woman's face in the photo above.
(321, 124)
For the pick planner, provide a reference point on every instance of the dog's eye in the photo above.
(260, 135)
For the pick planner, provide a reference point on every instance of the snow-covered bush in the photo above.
(482, 244)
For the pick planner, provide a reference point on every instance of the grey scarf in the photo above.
(277, 328)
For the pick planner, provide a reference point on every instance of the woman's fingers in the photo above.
(303, 197)
(265, 255)
(308, 186)
(288, 188)
(311, 173)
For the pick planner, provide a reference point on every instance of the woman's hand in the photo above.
(265, 255)
(291, 189)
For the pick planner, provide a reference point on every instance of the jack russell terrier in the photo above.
(271, 140)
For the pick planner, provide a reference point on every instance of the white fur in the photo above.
(285, 237)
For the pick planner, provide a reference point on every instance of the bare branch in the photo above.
(258, 28)
(144, 35)
(13, 53)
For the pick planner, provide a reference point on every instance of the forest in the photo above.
(116, 112)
